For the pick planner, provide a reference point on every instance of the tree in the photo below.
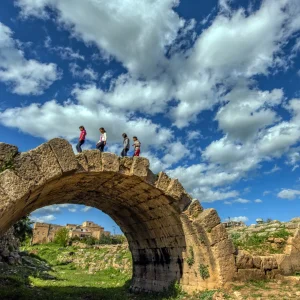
(23, 229)
(61, 237)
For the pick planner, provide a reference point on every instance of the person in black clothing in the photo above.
(126, 145)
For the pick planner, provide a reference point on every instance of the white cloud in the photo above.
(135, 32)
(273, 170)
(37, 119)
(66, 53)
(73, 210)
(53, 209)
(194, 135)
(241, 200)
(258, 201)
(238, 219)
(24, 76)
(43, 219)
(175, 152)
(266, 193)
(227, 202)
(87, 73)
(86, 208)
(289, 194)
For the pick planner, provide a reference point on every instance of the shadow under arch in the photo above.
(170, 236)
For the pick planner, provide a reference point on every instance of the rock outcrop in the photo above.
(9, 248)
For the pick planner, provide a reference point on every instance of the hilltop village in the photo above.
(45, 233)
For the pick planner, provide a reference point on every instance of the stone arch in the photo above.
(170, 236)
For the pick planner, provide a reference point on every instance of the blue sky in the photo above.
(211, 88)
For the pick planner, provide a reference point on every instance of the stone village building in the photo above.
(45, 233)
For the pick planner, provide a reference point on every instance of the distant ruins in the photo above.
(45, 233)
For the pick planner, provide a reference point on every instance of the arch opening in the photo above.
(170, 236)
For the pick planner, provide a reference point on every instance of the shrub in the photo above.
(61, 237)
(23, 229)
(191, 259)
(281, 233)
(203, 270)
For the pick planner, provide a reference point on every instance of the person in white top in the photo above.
(102, 142)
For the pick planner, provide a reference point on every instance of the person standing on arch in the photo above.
(102, 141)
(126, 145)
(137, 146)
(81, 139)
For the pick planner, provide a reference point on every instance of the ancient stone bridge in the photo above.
(170, 236)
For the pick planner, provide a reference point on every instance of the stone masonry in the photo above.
(170, 236)
(45, 233)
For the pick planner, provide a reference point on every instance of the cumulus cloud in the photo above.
(36, 119)
(241, 200)
(135, 32)
(238, 219)
(53, 209)
(273, 170)
(87, 73)
(250, 127)
(24, 76)
(258, 201)
(43, 219)
(289, 194)
(73, 209)
(86, 208)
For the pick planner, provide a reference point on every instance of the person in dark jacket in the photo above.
(126, 145)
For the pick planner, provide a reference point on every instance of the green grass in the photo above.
(258, 242)
(44, 277)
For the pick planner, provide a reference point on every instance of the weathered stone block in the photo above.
(250, 274)
(46, 162)
(64, 154)
(176, 191)
(110, 162)
(7, 152)
(218, 233)
(26, 168)
(273, 273)
(94, 161)
(163, 181)
(244, 260)
(208, 219)
(82, 162)
(257, 262)
(268, 262)
(140, 167)
(194, 208)
(13, 186)
(125, 165)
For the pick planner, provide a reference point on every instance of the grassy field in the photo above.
(44, 275)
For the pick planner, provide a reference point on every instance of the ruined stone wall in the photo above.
(251, 266)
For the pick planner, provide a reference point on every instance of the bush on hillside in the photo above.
(23, 229)
(61, 237)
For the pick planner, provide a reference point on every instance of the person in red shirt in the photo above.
(137, 146)
(81, 139)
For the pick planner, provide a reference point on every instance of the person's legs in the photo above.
(137, 152)
(78, 146)
(124, 152)
(101, 147)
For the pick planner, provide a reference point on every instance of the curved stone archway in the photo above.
(170, 236)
